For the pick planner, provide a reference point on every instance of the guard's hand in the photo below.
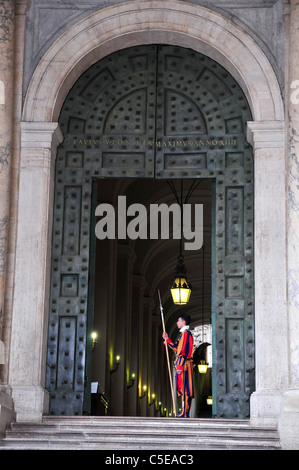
(179, 372)
(165, 335)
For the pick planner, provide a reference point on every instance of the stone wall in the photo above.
(277, 394)
(261, 19)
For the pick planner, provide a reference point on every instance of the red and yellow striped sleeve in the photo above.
(183, 348)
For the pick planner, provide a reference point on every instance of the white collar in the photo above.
(185, 327)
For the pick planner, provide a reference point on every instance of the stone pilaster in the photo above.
(6, 136)
(268, 141)
(32, 270)
(289, 422)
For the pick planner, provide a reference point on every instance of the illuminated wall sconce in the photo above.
(116, 365)
(133, 376)
(159, 407)
(202, 367)
(210, 400)
(94, 336)
(153, 398)
(144, 388)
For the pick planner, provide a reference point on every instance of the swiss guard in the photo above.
(184, 364)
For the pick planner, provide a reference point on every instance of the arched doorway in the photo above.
(187, 25)
(168, 113)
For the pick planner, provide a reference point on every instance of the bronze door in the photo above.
(154, 112)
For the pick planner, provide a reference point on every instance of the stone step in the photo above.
(141, 421)
(43, 430)
(101, 429)
(116, 433)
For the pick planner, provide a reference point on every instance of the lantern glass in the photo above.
(210, 400)
(180, 291)
(202, 367)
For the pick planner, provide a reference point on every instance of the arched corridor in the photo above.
(128, 274)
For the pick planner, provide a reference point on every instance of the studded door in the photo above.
(164, 112)
(201, 126)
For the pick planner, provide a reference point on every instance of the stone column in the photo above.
(6, 136)
(289, 422)
(156, 358)
(136, 359)
(149, 353)
(123, 302)
(32, 269)
(271, 346)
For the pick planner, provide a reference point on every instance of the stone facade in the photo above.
(257, 42)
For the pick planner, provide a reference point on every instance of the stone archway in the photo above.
(157, 22)
(169, 113)
(82, 45)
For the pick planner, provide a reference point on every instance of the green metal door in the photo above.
(145, 112)
(201, 126)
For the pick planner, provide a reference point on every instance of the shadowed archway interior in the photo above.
(160, 113)
(128, 274)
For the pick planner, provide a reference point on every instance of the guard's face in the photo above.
(180, 323)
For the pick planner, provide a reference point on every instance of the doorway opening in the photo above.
(128, 366)
(158, 113)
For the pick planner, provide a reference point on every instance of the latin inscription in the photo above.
(182, 143)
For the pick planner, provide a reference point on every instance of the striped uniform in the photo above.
(184, 351)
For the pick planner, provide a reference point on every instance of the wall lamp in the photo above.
(159, 407)
(94, 336)
(133, 376)
(210, 400)
(116, 365)
(153, 398)
(144, 388)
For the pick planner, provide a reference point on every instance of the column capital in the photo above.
(266, 134)
(40, 135)
(22, 7)
(139, 281)
(148, 303)
(286, 7)
(126, 251)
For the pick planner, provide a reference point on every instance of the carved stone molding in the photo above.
(126, 25)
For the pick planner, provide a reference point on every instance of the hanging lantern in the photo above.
(180, 289)
(202, 367)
